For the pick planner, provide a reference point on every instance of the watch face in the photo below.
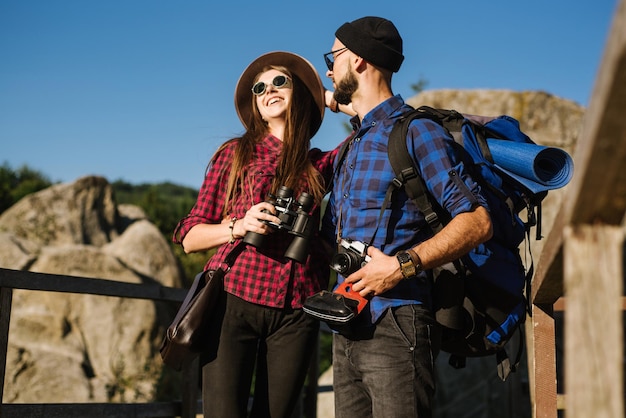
(406, 264)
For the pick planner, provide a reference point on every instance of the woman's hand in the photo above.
(253, 221)
(202, 237)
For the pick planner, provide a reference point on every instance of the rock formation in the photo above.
(83, 348)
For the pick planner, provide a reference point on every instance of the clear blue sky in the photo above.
(142, 90)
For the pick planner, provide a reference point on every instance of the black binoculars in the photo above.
(294, 218)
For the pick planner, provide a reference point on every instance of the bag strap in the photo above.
(503, 363)
(230, 258)
(406, 172)
(341, 155)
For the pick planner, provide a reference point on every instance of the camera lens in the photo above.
(345, 263)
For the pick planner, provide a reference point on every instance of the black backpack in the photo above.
(480, 299)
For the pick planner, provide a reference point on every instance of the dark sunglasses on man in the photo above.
(330, 57)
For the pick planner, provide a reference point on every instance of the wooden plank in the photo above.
(542, 364)
(594, 338)
(599, 184)
(560, 304)
(597, 191)
(72, 284)
(547, 283)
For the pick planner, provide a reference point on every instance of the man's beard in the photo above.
(346, 88)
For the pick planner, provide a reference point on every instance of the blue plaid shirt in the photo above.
(361, 182)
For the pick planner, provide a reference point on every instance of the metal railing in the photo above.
(188, 406)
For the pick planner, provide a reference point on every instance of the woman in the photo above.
(280, 101)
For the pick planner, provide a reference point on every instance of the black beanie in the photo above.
(375, 39)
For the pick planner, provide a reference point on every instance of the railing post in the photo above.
(542, 362)
(6, 297)
(594, 334)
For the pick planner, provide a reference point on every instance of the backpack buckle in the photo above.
(397, 183)
(431, 217)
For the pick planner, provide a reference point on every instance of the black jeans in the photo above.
(279, 341)
(387, 370)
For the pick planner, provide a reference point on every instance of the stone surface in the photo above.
(67, 347)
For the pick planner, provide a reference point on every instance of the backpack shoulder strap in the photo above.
(406, 171)
(341, 154)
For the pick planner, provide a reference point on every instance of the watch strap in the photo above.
(416, 260)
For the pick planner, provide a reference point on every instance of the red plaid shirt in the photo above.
(263, 276)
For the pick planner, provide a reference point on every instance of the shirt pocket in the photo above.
(261, 179)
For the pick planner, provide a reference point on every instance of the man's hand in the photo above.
(379, 275)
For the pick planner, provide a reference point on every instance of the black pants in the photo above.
(387, 371)
(279, 341)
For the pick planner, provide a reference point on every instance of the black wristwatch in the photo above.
(407, 266)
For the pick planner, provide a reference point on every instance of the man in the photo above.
(383, 361)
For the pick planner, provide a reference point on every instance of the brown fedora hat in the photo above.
(298, 65)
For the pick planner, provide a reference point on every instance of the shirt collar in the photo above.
(271, 142)
(381, 112)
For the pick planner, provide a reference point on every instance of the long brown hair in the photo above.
(293, 163)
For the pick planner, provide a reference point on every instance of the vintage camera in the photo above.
(338, 307)
(344, 304)
(295, 219)
(351, 256)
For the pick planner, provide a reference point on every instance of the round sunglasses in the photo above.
(280, 82)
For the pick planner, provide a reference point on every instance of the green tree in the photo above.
(15, 184)
(164, 203)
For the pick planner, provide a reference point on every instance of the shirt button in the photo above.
(351, 165)
(357, 139)
(345, 195)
